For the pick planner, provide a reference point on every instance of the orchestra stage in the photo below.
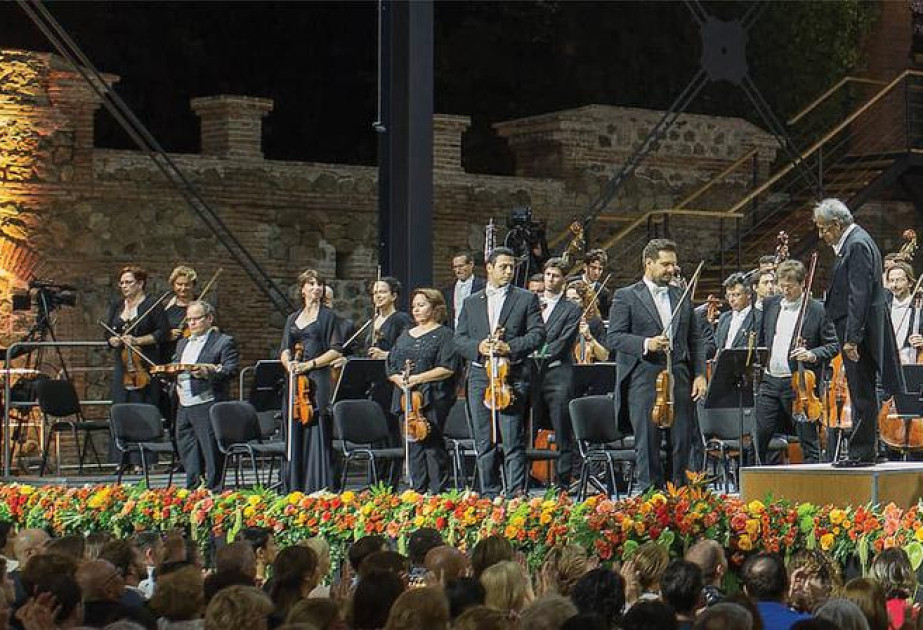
(900, 483)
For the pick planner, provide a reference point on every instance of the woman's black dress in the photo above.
(310, 467)
(428, 459)
(155, 324)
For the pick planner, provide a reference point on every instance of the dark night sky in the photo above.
(493, 61)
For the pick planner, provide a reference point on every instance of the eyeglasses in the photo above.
(193, 318)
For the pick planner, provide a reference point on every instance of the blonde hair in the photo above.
(419, 609)
(183, 270)
(322, 550)
(549, 612)
(506, 586)
(237, 607)
(482, 618)
(565, 566)
(650, 561)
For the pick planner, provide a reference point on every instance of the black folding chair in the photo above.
(359, 426)
(598, 438)
(459, 442)
(139, 428)
(237, 432)
(58, 400)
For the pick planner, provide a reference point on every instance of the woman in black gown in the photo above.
(429, 346)
(389, 322)
(183, 282)
(315, 327)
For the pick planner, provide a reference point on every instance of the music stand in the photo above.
(594, 379)
(913, 379)
(269, 378)
(732, 384)
(361, 379)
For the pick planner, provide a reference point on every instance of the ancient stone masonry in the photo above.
(76, 213)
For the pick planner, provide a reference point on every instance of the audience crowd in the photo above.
(153, 581)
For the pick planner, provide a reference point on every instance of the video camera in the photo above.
(45, 295)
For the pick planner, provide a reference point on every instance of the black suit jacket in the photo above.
(561, 332)
(520, 317)
(751, 323)
(448, 294)
(818, 332)
(857, 304)
(219, 349)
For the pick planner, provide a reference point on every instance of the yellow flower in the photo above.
(254, 499)
(658, 499)
(756, 507)
(409, 496)
(249, 511)
(510, 531)
(744, 543)
(98, 499)
(26, 490)
(826, 542)
(367, 508)
(548, 504)
(517, 521)
(919, 534)
(182, 493)
(753, 527)
(348, 497)
(295, 498)
(837, 516)
(545, 518)
(418, 521)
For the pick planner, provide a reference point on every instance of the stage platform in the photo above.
(900, 483)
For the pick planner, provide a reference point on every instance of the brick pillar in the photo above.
(232, 126)
(447, 133)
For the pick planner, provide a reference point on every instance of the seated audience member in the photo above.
(375, 593)
(125, 557)
(647, 564)
(548, 612)
(264, 549)
(489, 551)
(444, 564)
(586, 622)
(507, 587)
(235, 565)
(766, 581)
(322, 550)
(463, 593)
(179, 600)
(562, 568)
(891, 567)
(843, 613)
(419, 544)
(724, 616)
(868, 595)
(813, 578)
(681, 588)
(294, 576)
(319, 613)
(709, 556)
(812, 623)
(93, 544)
(73, 546)
(385, 561)
(6, 545)
(238, 607)
(365, 546)
(483, 618)
(102, 586)
(419, 609)
(27, 543)
(600, 592)
(151, 547)
(55, 603)
(649, 614)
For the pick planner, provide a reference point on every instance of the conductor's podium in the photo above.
(900, 483)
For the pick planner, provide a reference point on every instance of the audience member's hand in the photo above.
(342, 590)
(39, 612)
(632, 585)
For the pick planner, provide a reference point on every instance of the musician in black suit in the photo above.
(465, 284)
(857, 304)
(774, 402)
(734, 326)
(905, 316)
(216, 359)
(637, 319)
(500, 305)
(594, 263)
(552, 383)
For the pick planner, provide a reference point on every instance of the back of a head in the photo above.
(292, 567)
(814, 624)
(237, 557)
(217, 582)
(45, 566)
(843, 613)
(548, 612)
(709, 556)
(891, 567)
(384, 561)
(565, 566)
(600, 592)
(647, 615)
(869, 596)
(483, 618)
(237, 607)
(29, 542)
(94, 543)
(73, 546)
(764, 577)
(256, 537)
(179, 595)
(365, 546)
(66, 592)
(321, 549)
(446, 563)
(489, 551)
(420, 542)
(463, 593)
(725, 616)
(650, 561)
(419, 609)
(506, 586)
(681, 586)
(98, 582)
(318, 612)
(122, 553)
(374, 596)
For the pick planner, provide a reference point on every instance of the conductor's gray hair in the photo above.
(833, 211)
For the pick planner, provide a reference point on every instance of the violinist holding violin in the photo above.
(183, 282)
(430, 349)
(905, 313)
(515, 311)
(315, 329)
(389, 322)
(215, 359)
(589, 346)
(818, 346)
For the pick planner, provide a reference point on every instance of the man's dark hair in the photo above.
(496, 252)
(463, 593)
(66, 592)
(655, 246)
(420, 543)
(600, 592)
(365, 546)
(147, 540)
(120, 553)
(764, 577)
(737, 278)
(5, 529)
(649, 614)
(557, 263)
(258, 537)
(375, 595)
(756, 275)
(390, 561)
(814, 624)
(596, 255)
(489, 551)
(468, 256)
(537, 277)
(681, 586)
(41, 568)
(73, 546)
(217, 582)
(767, 259)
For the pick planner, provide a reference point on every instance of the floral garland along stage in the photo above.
(613, 529)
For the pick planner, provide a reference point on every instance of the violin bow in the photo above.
(357, 333)
(144, 314)
(596, 293)
(208, 286)
(130, 346)
(689, 287)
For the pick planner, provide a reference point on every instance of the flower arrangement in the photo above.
(675, 518)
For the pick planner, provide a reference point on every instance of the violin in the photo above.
(134, 372)
(583, 349)
(416, 426)
(172, 369)
(664, 411)
(839, 406)
(303, 391)
(499, 394)
(713, 303)
(804, 382)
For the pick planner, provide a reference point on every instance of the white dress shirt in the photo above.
(781, 343)
(839, 243)
(900, 322)
(462, 290)
(495, 299)
(737, 321)
(549, 304)
(191, 353)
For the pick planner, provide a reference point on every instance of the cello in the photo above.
(807, 404)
